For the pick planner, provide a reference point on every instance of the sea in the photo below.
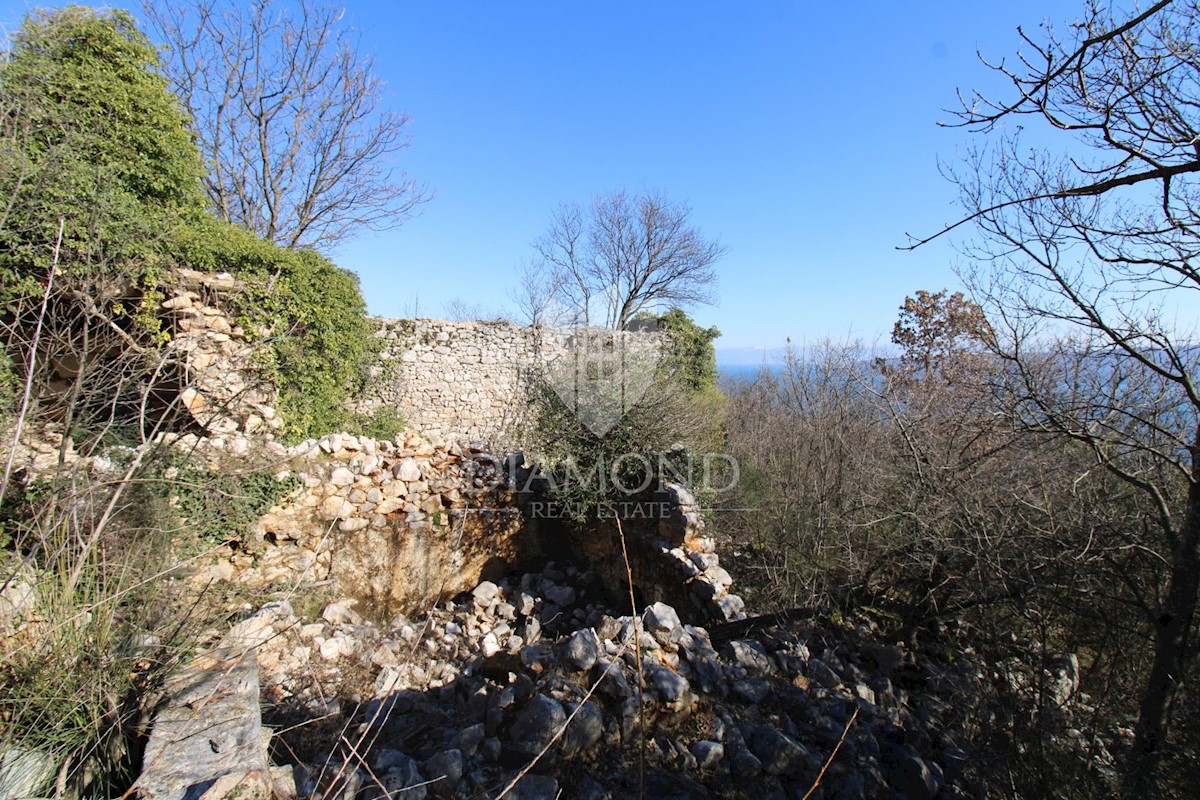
(745, 373)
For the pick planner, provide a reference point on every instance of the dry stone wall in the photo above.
(395, 525)
(222, 390)
(476, 380)
(463, 380)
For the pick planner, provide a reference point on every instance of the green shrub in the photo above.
(90, 135)
(308, 310)
(103, 631)
(381, 423)
(221, 506)
(681, 412)
(692, 358)
(8, 388)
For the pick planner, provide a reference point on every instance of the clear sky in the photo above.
(803, 135)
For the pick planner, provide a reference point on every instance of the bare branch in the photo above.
(289, 115)
(624, 254)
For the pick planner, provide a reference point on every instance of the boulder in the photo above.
(584, 730)
(444, 770)
(581, 650)
(660, 618)
(209, 738)
(535, 726)
(708, 754)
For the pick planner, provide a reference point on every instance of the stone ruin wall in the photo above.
(467, 381)
(398, 525)
(456, 380)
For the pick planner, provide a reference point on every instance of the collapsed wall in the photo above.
(399, 525)
(395, 525)
(658, 541)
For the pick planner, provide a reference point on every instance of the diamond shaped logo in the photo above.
(599, 373)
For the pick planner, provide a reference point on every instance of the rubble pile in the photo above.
(537, 679)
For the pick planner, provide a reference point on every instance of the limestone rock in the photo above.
(584, 730)
(661, 618)
(444, 770)
(535, 725)
(535, 787)
(582, 650)
(24, 773)
(208, 739)
(407, 470)
(708, 754)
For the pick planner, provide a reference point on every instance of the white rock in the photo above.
(24, 773)
(525, 604)
(391, 679)
(485, 593)
(336, 647)
(661, 618)
(341, 614)
(334, 507)
(312, 630)
(407, 470)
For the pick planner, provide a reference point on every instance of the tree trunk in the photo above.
(1171, 647)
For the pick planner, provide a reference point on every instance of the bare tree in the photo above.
(535, 293)
(1102, 239)
(623, 254)
(458, 309)
(289, 115)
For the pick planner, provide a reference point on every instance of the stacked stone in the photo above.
(222, 392)
(430, 503)
(366, 481)
(692, 554)
(472, 380)
(410, 496)
(37, 451)
(462, 379)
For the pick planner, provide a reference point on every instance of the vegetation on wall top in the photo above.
(93, 140)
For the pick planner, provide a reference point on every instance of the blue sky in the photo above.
(804, 136)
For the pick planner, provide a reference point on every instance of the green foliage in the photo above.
(307, 309)
(8, 387)
(90, 135)
(72, 695)
(693, 359)
(99, 634)
(221, 506)
(323, 349)
(586, 465)
(382, 423)
(681, 412)
(692, 365)
(92, 138)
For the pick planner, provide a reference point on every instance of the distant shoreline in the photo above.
(744, 373)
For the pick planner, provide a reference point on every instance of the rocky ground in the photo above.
(535, 680)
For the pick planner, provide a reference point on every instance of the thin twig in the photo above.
(637, 638)
(29, 370)
(832, 755)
